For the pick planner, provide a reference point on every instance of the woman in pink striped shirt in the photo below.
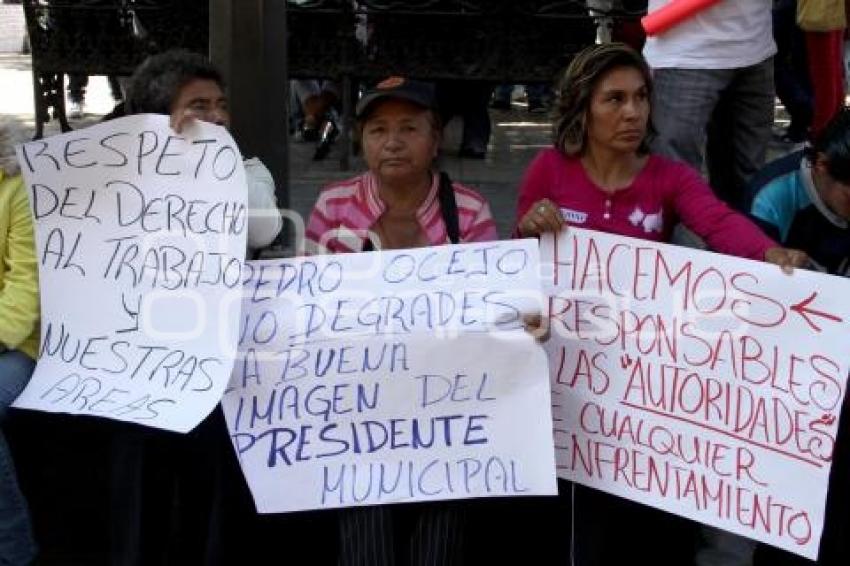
(400, 202)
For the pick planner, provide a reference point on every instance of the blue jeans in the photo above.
(17, 546)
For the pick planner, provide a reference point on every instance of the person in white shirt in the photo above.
(714, 91)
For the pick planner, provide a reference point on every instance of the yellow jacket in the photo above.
(19, 309)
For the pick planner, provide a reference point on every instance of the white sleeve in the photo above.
(264, 221)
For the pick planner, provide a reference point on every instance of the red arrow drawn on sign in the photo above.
(802, 308)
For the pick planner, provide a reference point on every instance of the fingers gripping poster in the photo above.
(140, 239)
(701, 384)
(392, 377)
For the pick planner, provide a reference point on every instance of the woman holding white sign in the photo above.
(600, 175)
(401, 202)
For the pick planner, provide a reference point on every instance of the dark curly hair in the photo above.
(155, 84)
(833, 142)
(576, 87)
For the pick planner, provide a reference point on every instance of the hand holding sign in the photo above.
(787, 258)
(543, 217)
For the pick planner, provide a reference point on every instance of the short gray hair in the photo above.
(156, 83)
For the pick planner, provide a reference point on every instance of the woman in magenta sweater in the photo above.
(600, 175)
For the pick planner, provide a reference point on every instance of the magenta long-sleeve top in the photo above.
(664, 193)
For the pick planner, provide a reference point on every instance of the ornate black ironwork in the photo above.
(321, 38)
(108, 37)
(506, 41)
(499, 41)
(510, 41)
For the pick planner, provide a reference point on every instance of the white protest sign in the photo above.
(391, 377)
(702, 384)
(140, 238)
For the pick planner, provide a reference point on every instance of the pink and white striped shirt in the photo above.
(346, 211)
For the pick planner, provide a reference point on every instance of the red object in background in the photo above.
(673, 14)
(825, 53)
(631, 33)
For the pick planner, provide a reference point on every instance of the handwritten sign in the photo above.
(698, 383)
(387, 377)
(140, 240)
